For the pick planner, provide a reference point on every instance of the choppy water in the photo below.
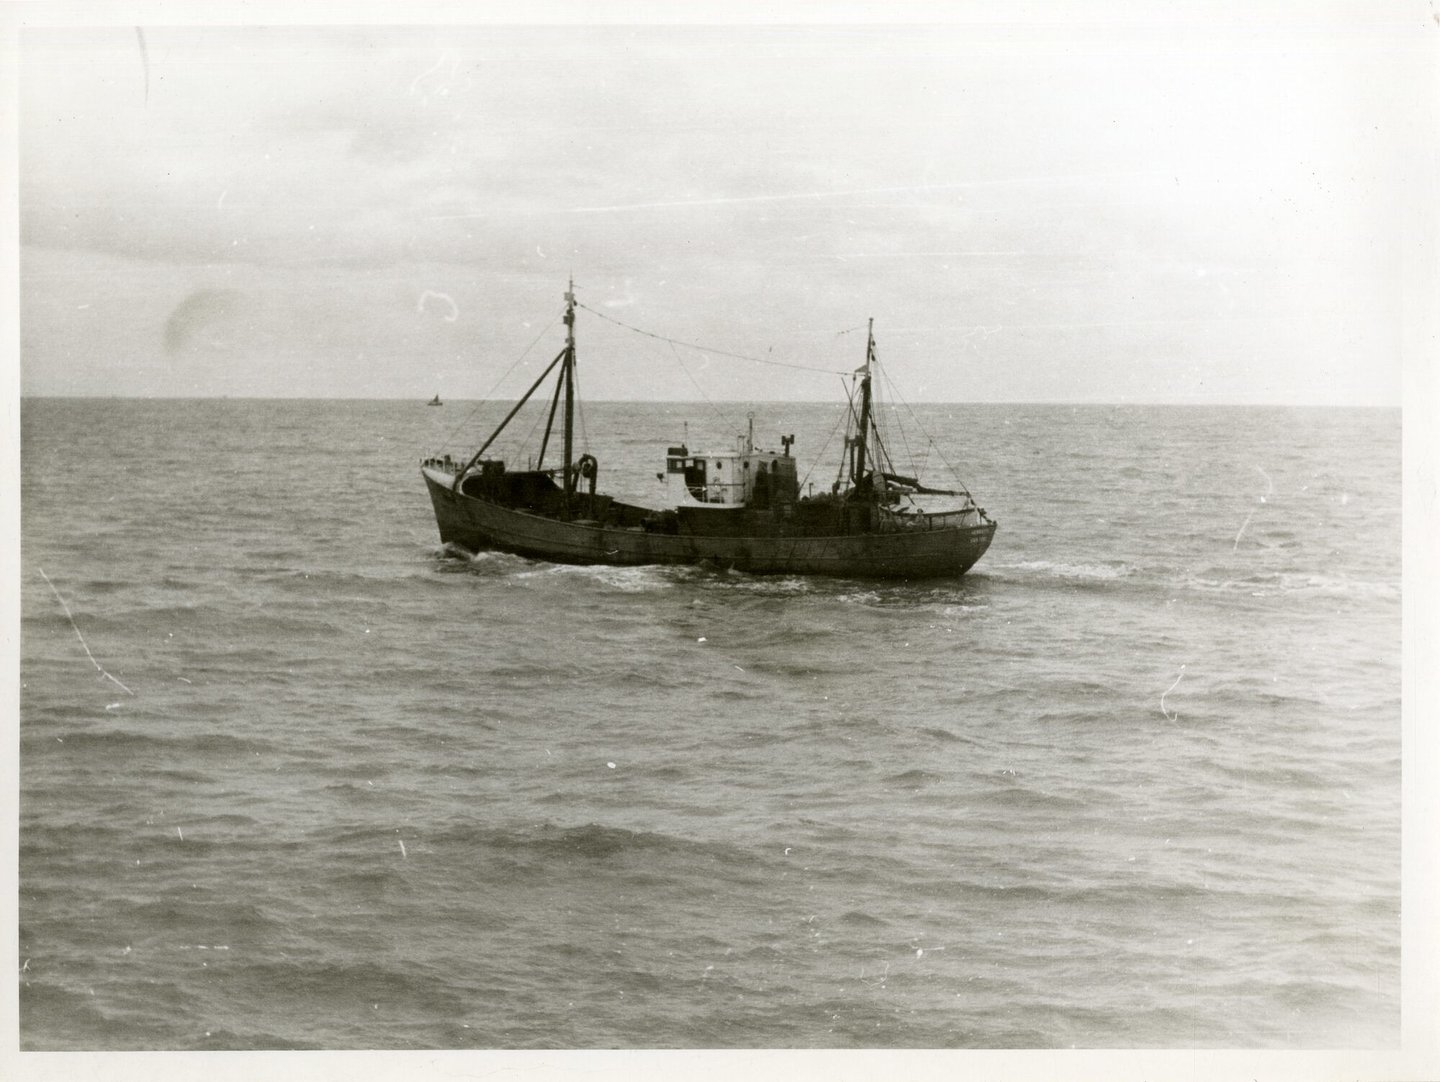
(1134, 781)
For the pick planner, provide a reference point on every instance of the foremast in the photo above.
(565, 359)
(567, 376)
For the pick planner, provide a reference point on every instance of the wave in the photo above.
(763, 585)
(202, 919)
(353, 985)
(128, 740)
(1059, 569)
(631, 580)
(1215, 579)
(915, 777)
(1289, 584)
(1277, 779)
(592, 841)
(226, 1040)
(56, 1018)
(1016, 797)
(495, 564)
(862, 919)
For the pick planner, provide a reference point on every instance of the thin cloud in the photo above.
(781, 197)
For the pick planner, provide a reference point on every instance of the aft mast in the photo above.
(857, 464)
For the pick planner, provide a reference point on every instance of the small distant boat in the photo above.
(435, 401)
(739, 509)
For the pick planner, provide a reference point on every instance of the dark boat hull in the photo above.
(479, 524)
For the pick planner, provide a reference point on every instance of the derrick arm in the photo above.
(508, 418)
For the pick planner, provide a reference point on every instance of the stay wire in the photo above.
(726, 421)
(847, 418)
(904, 439)
(954, 473)
(707, 349)
(580, 411)
(880, 451)
(523, 445)
(496, 386)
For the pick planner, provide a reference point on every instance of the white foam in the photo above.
(1071, 571)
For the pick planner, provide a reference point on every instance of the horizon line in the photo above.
(423, 401)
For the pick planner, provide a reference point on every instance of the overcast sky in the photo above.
(1065, 204)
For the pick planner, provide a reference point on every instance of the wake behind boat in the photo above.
(740, 509)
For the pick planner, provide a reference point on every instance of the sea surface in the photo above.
(293, 775)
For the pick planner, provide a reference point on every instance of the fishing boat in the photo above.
(739, 509)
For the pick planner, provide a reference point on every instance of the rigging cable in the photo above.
(820, 455)
(849, 418)
(707, 349)
(880, 452)
(579, 412)
(726, 421)
(883, 462)
(909, 454)
(524, 443)
(908, 409)
(876, 415)
(496, 386)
